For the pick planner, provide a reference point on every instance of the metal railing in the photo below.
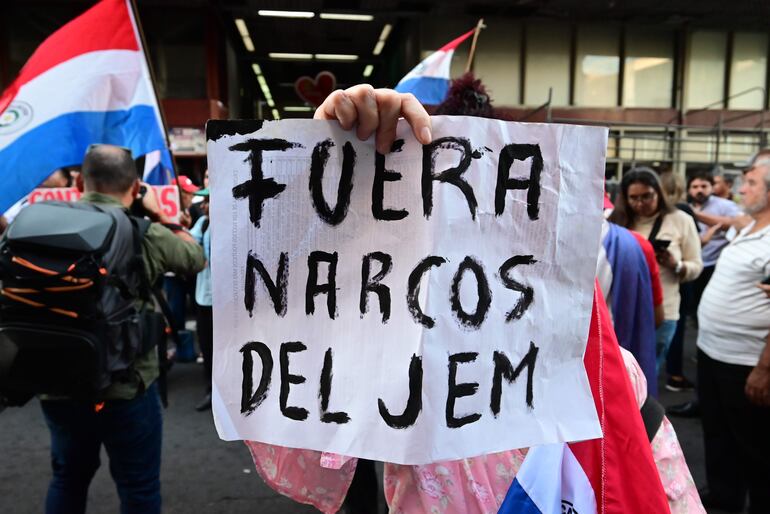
(677, 144)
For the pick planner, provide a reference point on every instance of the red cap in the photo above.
(186, 185)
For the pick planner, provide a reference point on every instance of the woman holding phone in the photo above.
(642, 206)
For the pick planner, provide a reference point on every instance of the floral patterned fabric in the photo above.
(476, 485)
(470, 486)
(299, 474)
(677, 481)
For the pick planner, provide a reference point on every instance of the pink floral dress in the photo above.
(677, 481)
(470, 486)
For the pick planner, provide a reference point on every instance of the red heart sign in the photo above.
(315, 91)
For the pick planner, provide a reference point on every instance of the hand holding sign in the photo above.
(372, 110)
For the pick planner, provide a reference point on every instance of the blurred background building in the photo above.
(682, 84)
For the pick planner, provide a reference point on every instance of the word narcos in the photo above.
(251, 399)
(277, 288)
(258, 189)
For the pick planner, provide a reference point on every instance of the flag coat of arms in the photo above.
(89, 82)
(429, 80)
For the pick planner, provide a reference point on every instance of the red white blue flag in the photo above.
(612, 475)
(89, 82)
(429, 80)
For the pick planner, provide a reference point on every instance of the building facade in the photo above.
(681, 85)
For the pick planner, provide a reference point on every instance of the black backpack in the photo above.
(70, 278)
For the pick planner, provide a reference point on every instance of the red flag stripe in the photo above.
(105, 26)
(619, 466)
(456, 42)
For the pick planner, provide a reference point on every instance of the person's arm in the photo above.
(709, 234)
(758, 383)
(691, 264)
(155, 213)
(166, 251)
(375, 111)
(728, 216)
(713, 219)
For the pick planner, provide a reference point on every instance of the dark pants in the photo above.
(205, 328)
(362, 494)
(131, 431)
(698, 286)
(736, 436)
(176, 290)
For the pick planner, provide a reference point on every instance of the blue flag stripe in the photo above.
(632, 308)
(517, 501)
(63, 141)
(428, 90)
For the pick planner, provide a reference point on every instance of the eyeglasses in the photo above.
(643, 198)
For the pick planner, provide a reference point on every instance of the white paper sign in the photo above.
(428, 306)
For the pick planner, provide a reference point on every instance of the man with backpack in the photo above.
(125, 414)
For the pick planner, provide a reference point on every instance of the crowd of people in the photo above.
(670, 253)
(713, 261)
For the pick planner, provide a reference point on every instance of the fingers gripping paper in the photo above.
(426, 305)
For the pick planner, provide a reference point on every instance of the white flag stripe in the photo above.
(435, 65)
(552, 477)
(112, 79)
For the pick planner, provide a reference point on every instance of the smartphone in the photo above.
(766, 281)
(660, 245)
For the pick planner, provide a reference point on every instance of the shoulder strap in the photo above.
(652, 416)
(141, 226)
(656, 227)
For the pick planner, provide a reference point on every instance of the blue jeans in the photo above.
(131, 431)
(663, 337)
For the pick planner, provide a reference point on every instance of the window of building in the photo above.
(648, 72)
(547, 64)
(597, 66)
(748, 71)
(705, 78)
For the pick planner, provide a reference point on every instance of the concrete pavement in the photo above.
(200, 473)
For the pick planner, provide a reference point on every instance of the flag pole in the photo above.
(480, 25)
(143, 41)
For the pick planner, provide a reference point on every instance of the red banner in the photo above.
(168, 198)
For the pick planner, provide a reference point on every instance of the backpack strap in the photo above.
(656, 228)
(652, 416)
(141, 225)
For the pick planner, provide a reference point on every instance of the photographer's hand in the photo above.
(151, 205)
(185, 219)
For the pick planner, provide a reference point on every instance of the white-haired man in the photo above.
(734, 360)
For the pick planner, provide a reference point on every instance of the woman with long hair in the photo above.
(643, 206)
